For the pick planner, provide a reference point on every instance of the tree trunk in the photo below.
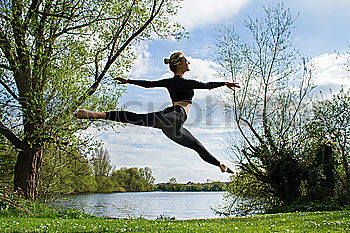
(27, 171)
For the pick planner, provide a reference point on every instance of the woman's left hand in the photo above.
(232, 85)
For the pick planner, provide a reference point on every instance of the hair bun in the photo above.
(166, 60)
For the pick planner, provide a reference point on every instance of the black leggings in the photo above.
(170, 121)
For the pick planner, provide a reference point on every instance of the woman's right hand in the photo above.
(121, 80)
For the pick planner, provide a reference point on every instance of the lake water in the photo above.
(150, 205)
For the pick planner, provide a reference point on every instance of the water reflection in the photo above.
(150, 205)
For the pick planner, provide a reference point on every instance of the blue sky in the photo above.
(320, 31)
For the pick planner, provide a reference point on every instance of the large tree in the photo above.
(54, 54)
(270, 106)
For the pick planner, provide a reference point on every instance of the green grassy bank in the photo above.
(325, 221)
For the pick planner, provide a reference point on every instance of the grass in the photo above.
(48, 219)
(324, 221)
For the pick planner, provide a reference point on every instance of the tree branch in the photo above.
(121, 28)
(56, 15)
(31, 10)
(19, 32)
(83, 25)
(11, 136)
(13, 94)
(95, 85)
(253, 131)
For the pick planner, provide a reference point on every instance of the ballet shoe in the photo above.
(228, 170)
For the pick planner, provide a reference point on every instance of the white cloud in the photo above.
(142, 63)
(198, 13)
(330, 72)
(202, 70)
(210, 131)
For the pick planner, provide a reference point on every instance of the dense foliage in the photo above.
(72, 172)
(331, 123)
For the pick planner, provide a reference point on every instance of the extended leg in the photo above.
(183, 137)
(120, 116)
(132, 118)
(166, 118)
(160, 119)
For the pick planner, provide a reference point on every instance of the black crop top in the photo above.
(180, 89)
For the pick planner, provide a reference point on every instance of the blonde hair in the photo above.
(174, 60)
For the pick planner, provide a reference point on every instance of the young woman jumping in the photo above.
(171, 119)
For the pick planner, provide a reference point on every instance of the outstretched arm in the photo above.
(142, 83)
(210, 85)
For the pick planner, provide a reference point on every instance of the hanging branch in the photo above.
(95, 85)
(19, 144)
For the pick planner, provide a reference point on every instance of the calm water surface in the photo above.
(150, 205)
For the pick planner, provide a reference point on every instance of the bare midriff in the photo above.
(183, 104)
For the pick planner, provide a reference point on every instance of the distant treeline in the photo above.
(212, 186)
